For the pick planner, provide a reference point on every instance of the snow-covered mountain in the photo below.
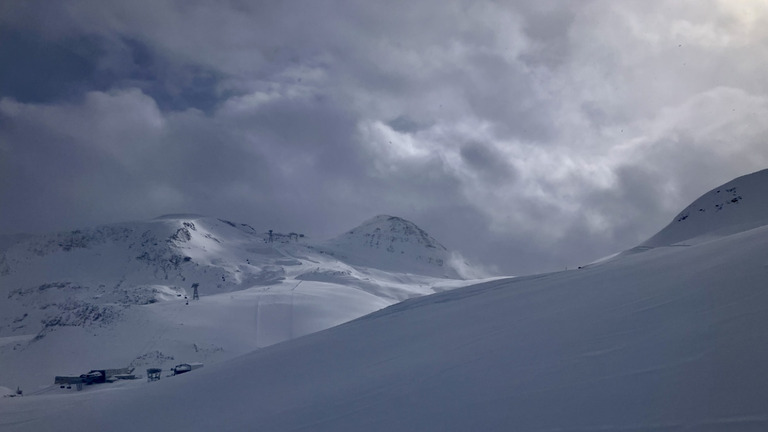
(736, 206)
(393, 243)
(670, 339)
(121, 294)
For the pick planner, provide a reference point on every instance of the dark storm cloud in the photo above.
(173, 86)
(36, 70)
(488, 163)
(530, 135)
(547, 28)
(406, 124)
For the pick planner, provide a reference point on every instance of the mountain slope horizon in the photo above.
(672, 339)
(736, 206)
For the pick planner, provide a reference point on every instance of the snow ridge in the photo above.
(733, 207)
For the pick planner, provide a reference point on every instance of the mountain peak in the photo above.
(381, 224)
(393, 243)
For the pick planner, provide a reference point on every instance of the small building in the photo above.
(186, 367)
(153, 374)
(94, 377)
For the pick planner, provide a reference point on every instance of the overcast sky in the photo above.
(528, 135)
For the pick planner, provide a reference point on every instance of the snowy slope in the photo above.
(114, 295)
(736, 206)
(672, 339)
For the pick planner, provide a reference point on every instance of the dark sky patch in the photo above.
(36, 69)
(405, 124)
(488, 162)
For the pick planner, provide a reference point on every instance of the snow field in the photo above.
(670, 339)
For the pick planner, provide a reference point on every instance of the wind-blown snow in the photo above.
(671, 339)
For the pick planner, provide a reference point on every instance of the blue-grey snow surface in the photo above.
(670, 339)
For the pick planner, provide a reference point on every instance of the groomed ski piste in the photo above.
(670, 336)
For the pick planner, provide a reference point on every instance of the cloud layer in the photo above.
(529, 136)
